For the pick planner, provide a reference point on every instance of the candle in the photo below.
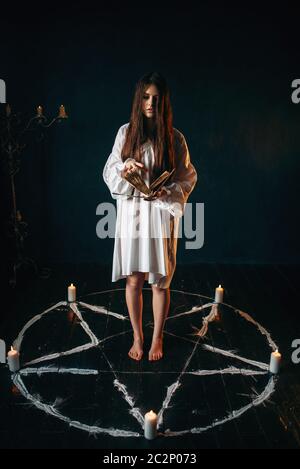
(39, 111)
(71, 293)
(219, 292)
(275, 362)
(62, 112)
(13, 360)
(150, 428)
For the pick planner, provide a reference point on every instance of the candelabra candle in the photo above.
(39, 111)
(62, 112)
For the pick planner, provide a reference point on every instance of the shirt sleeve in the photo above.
(184, 181)
(113, 167)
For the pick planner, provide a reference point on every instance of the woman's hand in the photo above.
(132, 166)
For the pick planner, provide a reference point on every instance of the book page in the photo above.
(136, 181)
(161, 180)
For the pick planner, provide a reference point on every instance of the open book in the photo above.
(136, 181)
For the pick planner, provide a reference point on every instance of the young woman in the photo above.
(147, 229)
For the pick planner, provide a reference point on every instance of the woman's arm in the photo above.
(112, 172)
(184, 181)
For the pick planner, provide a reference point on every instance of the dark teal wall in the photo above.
(230, 74)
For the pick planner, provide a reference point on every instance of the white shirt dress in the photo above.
(146, 231)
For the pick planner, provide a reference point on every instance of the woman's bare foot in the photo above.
(136, 351)
(156, 350)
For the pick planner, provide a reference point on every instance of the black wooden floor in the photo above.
(217, 410)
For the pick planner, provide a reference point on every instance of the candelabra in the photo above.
(12, 144)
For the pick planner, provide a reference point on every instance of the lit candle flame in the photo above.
(62, 112)
(39, 110)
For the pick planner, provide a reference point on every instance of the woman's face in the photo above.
(150, 98)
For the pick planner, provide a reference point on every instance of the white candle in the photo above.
(150, 429)
(13, 360)
(275, 361)
(219, 293)
(71, 293)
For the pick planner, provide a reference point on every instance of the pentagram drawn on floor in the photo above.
(83, 342)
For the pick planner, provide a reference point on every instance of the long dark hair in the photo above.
(163, 128)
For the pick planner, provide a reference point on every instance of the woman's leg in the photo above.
(134, 300)
(160, 305)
